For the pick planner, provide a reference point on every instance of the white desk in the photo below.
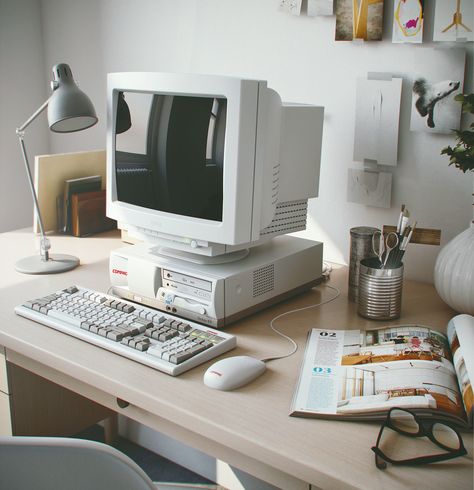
(249, 428)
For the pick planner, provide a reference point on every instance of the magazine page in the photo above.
(461, 340)
(363, 374)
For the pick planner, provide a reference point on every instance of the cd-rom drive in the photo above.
(192, 286)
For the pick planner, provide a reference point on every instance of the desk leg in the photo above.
(111, 429)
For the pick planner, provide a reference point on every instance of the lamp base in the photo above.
(56, 263)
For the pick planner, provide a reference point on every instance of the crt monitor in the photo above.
(208, 164)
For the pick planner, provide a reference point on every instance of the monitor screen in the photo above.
(169, 156)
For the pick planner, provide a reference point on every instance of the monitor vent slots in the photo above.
(263, 280)
(289, 217)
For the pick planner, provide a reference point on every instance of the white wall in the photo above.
(300, 59)
(23, 89)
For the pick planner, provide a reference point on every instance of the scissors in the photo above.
(382, 246)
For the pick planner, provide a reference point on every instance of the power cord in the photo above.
(295, 345)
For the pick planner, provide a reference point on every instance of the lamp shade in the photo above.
(69, 108)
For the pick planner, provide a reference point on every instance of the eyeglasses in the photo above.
(390, 448)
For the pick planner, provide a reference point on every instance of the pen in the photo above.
(406, 240)
(405, 220)
(400, 218)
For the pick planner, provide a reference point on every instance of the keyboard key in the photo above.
(115, 335)
(142, 346)
(59, 315)
(183, 327)
(86, 325)
(126, 340)
(180, 357)
(163, 337)
(197, 349)
(155, 350)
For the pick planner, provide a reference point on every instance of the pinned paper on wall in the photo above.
(407, 21)
(454, 20)
(291, 6)
(369, 187)
(434, 109)
(377, 119)
(320, 7)
(359, 19)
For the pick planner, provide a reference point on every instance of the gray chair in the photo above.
(56, 463)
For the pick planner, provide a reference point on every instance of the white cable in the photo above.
(295, 345)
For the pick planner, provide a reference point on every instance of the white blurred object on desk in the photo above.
(454, 272)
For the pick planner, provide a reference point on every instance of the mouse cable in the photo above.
(281, 334)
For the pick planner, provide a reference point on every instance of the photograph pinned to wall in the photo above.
(369, 187)
(320, 7)
(359, 19)
(407, 21)
(293, 7)
(454, 20)
(377, 120)
(434, 109)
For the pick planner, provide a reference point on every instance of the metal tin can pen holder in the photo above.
(380, 290)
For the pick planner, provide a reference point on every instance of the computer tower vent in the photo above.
(263, 280)
(289, 217)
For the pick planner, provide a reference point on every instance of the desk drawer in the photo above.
(3, 372)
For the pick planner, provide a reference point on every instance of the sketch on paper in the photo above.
(369, 187)
(320, 7)
(291, 6)
(359, 19)
(377, 120)
(433, 106)
(407, 21)
(453, 20)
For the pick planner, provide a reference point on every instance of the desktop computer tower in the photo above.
(217, 294)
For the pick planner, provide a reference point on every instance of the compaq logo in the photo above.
(119, 272)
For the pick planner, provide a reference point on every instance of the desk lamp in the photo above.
(69, 110)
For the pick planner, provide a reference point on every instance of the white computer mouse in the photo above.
(233, 372)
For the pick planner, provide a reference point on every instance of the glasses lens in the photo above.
(404, 421)
(399, 447)
(446, 436)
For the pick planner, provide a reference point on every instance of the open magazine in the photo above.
(353, 374)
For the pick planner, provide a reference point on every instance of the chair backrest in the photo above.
(47, 463)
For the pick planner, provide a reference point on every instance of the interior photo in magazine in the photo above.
(407, 366)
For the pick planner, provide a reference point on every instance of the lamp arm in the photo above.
(33, 116)
(45, 245)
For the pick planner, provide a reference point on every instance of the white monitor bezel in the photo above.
(238, 210)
